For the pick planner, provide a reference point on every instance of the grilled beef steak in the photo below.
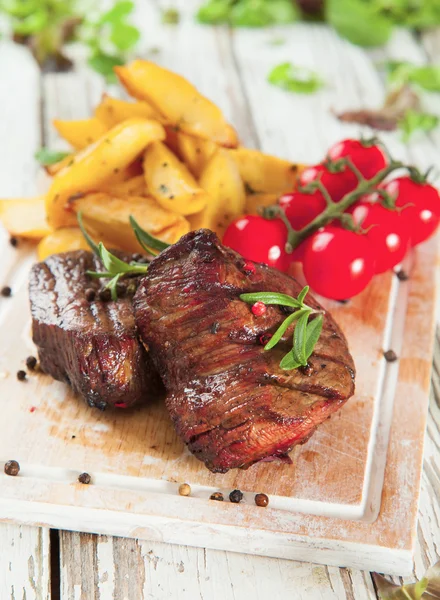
(92, 345)
(228, 398)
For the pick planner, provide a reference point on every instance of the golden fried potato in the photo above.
(265, 173)
(96, 164)
(25, 217)
(135, 186)
(255, 201)
(61, 240)
(55, 168)
(170, 182)
(82, 133)
(107, 216)
(221, 179)
(194, 152)
(177, 100)
(112, 111)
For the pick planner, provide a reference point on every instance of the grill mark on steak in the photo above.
(227, 397)
(93, 346)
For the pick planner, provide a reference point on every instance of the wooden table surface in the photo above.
(231, 67)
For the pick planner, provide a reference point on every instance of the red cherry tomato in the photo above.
(301, 209)
(260, 240)
(369, 159)
(337, 184)
(422, 202)
(338, 263)
(388, 233)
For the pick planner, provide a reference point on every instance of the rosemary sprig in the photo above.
(306, 333)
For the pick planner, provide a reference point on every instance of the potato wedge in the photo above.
(96, 164)
(170, 182)
(194, 152)
(135, 186)
(25, 217)
(177, 100)
(108, 216)
(52, 170)
(255, 201)
(265, 173)
(221, 179)
(61, 240)
(112, 111)
(80, 134)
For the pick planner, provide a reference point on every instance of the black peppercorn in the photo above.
(21, 375)
(217, 496)
(236, 496)
(84, 478)
(261, 500)
(121, 289)
(13, 241)
(6, 291)
(402, 275)
(12, 468)
(90, 294)
(390, 356)
(105, 295)
(31, 362)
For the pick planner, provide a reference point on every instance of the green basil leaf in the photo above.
(282, 11)
(118, 12)
(250, 13)
(289, 363)
(282, 329)
(359, 21)
(124, 36)
(88, 239)
(299, 339)
(271, 298)
(303, 294)
(48, 157)
(295, 79)
(414, 121)
(146, 240)
(313, 332)
(215, 12)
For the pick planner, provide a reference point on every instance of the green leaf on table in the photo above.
(299, 339)
(314, 329)
(215, 12)
(426, 77)
(48, 157)
(32, 24)
(119, 12)
(124, 36)
(295, 79)
(104, 64)
(282, 11)
(359, 21)
(415, 121)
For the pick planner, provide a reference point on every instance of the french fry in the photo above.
(194, 152)
(265, 173)
(82, 133)
(170, 182)
(25, 217)
(255, 201)
(61, 240)
(107, 216)
(221, 179)
(112, 111)
(96, 164)
(177, 100)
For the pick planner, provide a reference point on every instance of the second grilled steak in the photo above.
(91, 345)
(228, 398)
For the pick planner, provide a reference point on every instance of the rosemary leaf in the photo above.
(282, 329)
(271, 298)
(314, 329)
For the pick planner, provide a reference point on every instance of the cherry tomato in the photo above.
(260, 240)
(337, 184)
(338, 263)
(422, 202)
(301, 209)
(369, 159)
(388, 233)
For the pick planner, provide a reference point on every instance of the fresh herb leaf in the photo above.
(125, 36)
(215, 12)
(88, 239)
(414, 121)
(314, 329)
(270, 298)
(48, 157)
(289, 363)
(401, 73)
(149, 243)
(295, 79)
(299, 339)
(359, 21)
(104, 64)
(248, 13)
(303, 293)
(282, 329)
(170, 16)
(119, 12)
(112, 263)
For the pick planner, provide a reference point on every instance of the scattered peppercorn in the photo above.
(217, 496)
(214, 327)
(184, 489)
(21, 375)
(249, 267)
(265, 338)
(84, 478)
(13, 241)
(90, 294)
(343, 301)
(31, 362)
(73, 437)
(236, 496)
(32, 409)
(259, 308)
(121, 289)
(261, 500)
(105, 295)
(6, 291)
(12, 468)
(390, 356)
(402, 275)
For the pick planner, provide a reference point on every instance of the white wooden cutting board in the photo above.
(350, 497)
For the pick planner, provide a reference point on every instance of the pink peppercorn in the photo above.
(259, 308)
(265, 338)
(249, 267)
